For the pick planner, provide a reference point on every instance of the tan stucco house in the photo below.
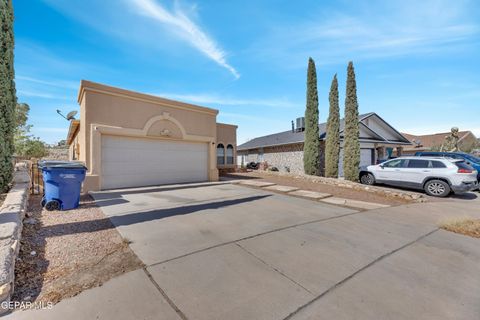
(130, 139)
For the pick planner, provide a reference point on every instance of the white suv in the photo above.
(437, 176)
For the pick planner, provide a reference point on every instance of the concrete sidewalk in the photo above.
(227, 252)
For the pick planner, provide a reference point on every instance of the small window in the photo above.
(220, 154)
(397, 163)
(229, 154)
(417, 164)
(438, 164)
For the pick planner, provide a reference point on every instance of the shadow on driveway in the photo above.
(118, 193)
(139, 217)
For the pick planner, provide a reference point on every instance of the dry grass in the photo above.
(463, 225)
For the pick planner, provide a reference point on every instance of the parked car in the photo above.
(438, 177)
(379, 161)
(469, 159)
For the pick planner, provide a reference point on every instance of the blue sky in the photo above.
(416, 61)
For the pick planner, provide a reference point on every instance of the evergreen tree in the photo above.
(311, 147)
(351, 147)
(332, 144)
(7, 93)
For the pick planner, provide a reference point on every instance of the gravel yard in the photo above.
(65, 252)
(336, 191)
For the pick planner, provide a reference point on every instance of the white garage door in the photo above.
(365, 159)
(135, 162)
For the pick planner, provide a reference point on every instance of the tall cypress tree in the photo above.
(332, 144)
(8, 97)
(351, 147)
(311, 146)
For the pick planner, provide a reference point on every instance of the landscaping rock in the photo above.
(11, 215)
(30, 221)
(6, 263)
(10, 225)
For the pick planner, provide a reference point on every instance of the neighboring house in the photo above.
(428, 142)
(284, 150)
(130, 139)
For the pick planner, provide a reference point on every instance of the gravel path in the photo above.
(65, 252)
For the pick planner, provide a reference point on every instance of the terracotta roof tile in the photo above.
(432, 140)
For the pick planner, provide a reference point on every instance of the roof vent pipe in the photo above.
(293, 126)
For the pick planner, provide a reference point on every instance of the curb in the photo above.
(12, 213)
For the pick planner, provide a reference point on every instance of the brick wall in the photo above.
(287, 158)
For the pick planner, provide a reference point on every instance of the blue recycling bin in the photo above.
(62, 182)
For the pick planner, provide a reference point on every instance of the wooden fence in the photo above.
(36, 178)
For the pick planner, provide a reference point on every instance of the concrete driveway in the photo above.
(223, 251)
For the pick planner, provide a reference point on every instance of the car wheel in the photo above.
(367, 179)
(437, 188)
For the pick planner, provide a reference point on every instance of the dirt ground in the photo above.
(65, 252)
(319, 187)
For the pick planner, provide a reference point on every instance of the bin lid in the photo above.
(61, 164)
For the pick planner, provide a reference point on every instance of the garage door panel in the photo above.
(135, 162)
(150, 170)
(365, 159)
(149, 157)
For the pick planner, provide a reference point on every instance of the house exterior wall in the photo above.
(74, 149)
(287, 158)
(227, 135)
(114, 111)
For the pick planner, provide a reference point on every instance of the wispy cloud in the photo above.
(379, 29)
(146, 22)
(228, 101)
(187, 29)
(63, 84)
(42, 95)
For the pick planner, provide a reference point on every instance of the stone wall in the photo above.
(287, 158)
(57, 154)
(12, 213)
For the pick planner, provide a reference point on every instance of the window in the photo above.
(229, 154)
(397, 163)
(438, 164)
(220, 154)
(417, 163)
